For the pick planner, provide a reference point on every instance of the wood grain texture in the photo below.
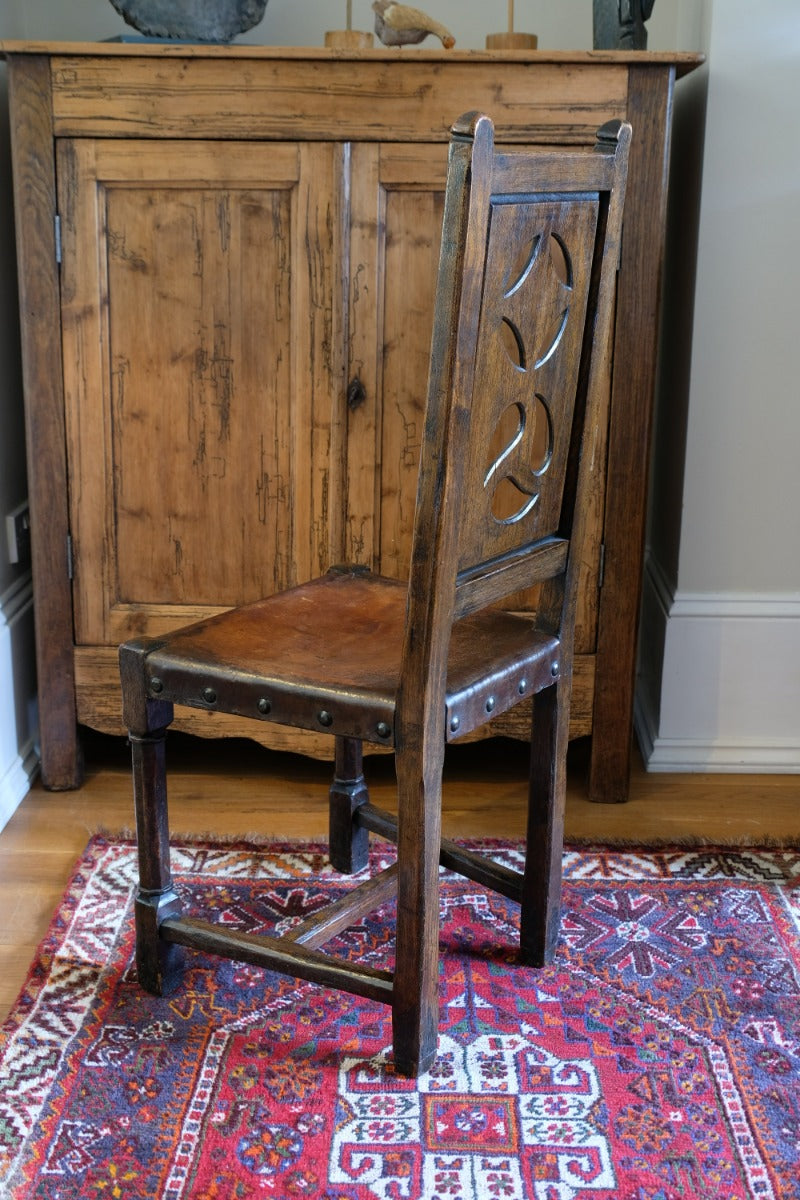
(365, 323)
(413, 204)
(635, 353)
(416, 97)
(246, 382)
(40, 325)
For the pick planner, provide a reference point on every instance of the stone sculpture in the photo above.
(191, 20)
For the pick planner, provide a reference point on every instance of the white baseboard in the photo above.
(727, 698)
(16, 781)
(19, 758)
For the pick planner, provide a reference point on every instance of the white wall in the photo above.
(722, 590)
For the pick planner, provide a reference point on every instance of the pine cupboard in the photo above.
(226, 260)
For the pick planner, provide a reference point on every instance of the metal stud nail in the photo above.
(325, 718)
(490, 703)
(209, 695)
(383, 729)
(156, 685)
(264, 706)
(554, 670)
(522, 687)
(454, 724)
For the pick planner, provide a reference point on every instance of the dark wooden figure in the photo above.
(520, 350)
(620, 24)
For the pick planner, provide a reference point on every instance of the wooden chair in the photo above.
(519, 362)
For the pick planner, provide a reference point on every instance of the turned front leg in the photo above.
(415, 1002)
(147, 722)
(157, 961)
(349, 842)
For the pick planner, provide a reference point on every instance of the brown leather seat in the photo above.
(327, 655)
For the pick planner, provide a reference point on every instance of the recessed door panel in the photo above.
(203, 375)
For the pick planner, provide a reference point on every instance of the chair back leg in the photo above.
(541, 888)
(415, 1005)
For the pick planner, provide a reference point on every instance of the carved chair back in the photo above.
(519, 360)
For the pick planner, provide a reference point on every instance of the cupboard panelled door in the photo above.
(397, 202)
(204, 357)
(397, 197)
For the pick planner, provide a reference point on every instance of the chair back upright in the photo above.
(519, 368)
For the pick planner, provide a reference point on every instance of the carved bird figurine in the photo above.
(401, 25)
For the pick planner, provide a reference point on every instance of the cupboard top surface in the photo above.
(684, 61)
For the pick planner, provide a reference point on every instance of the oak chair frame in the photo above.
(440, 658)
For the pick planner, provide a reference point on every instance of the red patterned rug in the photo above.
(658, 1058)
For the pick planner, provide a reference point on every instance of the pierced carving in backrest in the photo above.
(536, 285)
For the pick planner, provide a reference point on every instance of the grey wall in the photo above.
(720, 655)
(742, 483)
(566, 24)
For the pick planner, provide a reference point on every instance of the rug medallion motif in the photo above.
(658, 1058)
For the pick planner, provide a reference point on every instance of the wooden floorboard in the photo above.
(237, 789)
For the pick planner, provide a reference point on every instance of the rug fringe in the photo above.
(687, 842)
(684, 842)
(126, 834)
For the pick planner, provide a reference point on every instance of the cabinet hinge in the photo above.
(57, 228)
(70, 562)
(601, 569)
